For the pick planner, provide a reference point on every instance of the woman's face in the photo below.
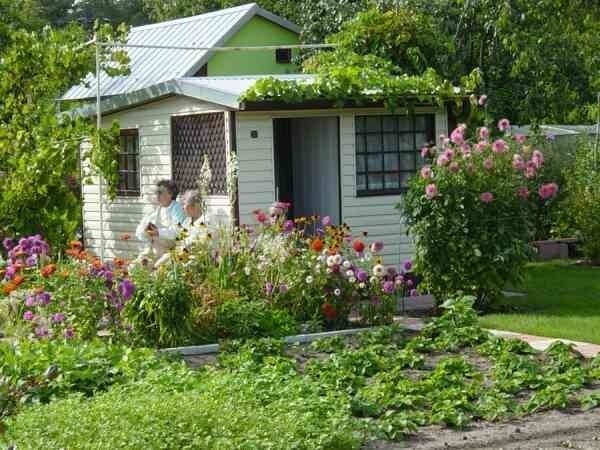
(192, 210)
(164, 197)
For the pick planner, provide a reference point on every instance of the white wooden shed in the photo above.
(349, 163)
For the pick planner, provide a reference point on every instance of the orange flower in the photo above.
(97, 264)
(73, 252)
(317, 245)
(38, 290)
(82, 272)
(48, 270)
(9, 287)
(75, 245)
(119, 262)
(18, 280)
(125, 237)
(64, 274)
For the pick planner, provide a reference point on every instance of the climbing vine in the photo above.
(104, 157)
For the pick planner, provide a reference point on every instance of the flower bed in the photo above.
(278, 278)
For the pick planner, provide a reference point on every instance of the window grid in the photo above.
(387, 151)
(129, 164)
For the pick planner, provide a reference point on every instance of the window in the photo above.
(388, 151)
(129, 164)
(283, 55)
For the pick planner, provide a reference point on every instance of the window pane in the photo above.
(390, 123)
(404, 179)
(420, 123)
(421, 139)
(375, 182)
(420, 160)
(360, 125)
(392, 181)
(390, 142)
(406, 142)
(360, 163)
(391, 161)
(375, 162)
(361, 182)
(374, 143)
(360, 143)
(405, 123)
(407, 161)
(373, 124)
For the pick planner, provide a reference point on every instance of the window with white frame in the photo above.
(388, 151)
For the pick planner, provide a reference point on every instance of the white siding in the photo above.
(122, 215)
(375, 215)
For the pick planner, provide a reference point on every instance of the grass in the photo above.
(563, 300)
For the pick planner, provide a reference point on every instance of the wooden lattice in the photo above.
(192, 137)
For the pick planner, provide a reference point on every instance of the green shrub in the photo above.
(40, 371)
(582, 204)
(471, 215)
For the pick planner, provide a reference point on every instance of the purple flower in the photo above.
(42, 332)
(30, 301)
(44, 298)
(361, 275)
(8, 244)
(11, 271)
(69, 333)
(288, 226)
(28, 315)
(388, 287)
(413, 293)
(58, 318)
(283, 288)
(407, 266)
(268, 288)
(126, 289)
(326, 221)
(31, 260)
(376, 246)
(36, 250)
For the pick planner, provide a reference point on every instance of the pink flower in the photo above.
(520, 138)
(457, 136)
(480, 146)
(538, 158)
(28, 315)
(482, 100)
(503, 125)
(517, 162)
(426, 172)
(326, 221)
(431, 191)
(499, 146)
(465, 148)
(486, 197)
(453, 167)
(484, 133)
(425, 152)
(548, 190)
(449, 154)
(523, 192)
(488, 164)
(442, 160)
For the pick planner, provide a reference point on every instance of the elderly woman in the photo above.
(159, 228)
(193, 228)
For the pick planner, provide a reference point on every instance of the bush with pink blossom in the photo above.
(470, 210)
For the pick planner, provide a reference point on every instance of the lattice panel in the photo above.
(192, 137)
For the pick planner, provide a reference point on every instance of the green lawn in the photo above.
(563, 300)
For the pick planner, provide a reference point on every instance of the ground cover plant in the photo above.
(338, 393)
(561, 300)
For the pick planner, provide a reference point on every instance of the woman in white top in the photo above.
(159, 228)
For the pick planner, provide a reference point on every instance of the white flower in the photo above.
(337, 292)
(329, 270)
(347, 264)
(330, 261)
(378, 270)
(352, 280)
(309, 279)
(317, 267)
(368, 256)
(373, 280)
(337, 259)
(362, 285)
(349, 273)
(247, 270)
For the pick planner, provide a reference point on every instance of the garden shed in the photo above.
(347, 161)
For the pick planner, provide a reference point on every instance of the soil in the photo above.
(549, 430)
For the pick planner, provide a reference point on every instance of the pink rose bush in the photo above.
(471, 208)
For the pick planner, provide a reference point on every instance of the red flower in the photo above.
(48, 270)
(358, 246)
(329, 311)
(317, 245)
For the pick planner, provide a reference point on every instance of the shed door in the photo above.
(191, 138)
